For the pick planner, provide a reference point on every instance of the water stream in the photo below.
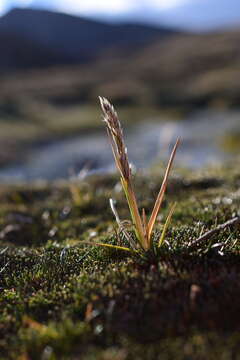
(147, 142)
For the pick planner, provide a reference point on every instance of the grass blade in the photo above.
(132, 204)
(161, 193)
(167, 222)
(121, 226)
(144, 222)
(116, 247)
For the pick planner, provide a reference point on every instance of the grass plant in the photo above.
(143, 227)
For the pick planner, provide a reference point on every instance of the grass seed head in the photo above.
(115, 133)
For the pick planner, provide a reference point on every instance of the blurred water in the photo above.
(147, 143)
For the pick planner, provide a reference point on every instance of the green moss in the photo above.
(61, 299)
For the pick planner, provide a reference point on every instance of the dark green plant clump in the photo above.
(61, 299)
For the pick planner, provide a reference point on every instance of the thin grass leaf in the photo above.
(116, 247)
(121, 225)
(166, 225)
(161, 193)
(114, 211)
(132, 204)
(144, 221)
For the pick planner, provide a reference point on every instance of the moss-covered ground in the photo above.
(60, 299)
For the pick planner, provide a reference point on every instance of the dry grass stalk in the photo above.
(143, 228)
(209, 234)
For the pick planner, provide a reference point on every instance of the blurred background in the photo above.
(170, 67)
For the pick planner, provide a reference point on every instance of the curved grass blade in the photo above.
(161, 193)
(121, 225)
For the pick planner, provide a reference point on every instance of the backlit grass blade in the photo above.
(132, 203)
(167, 222)
(116, 247)
(144, 222)
(121, 226)
(161, 193)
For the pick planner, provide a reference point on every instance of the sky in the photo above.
(94, 6)
(192, 14)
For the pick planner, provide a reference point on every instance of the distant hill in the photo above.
(133, 64)
(17, 52)
(185, 71)
(38, 38)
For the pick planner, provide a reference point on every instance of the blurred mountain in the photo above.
(193, 70)
(133, 64)
(185, 70)
(37, 38)
(18, 52)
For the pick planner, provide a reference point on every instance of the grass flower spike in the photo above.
(143, 228)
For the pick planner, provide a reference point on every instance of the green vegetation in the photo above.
(230, 142)
(61, 299)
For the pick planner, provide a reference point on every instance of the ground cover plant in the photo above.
(61, 299)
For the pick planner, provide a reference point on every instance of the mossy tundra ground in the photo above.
(61, 299)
